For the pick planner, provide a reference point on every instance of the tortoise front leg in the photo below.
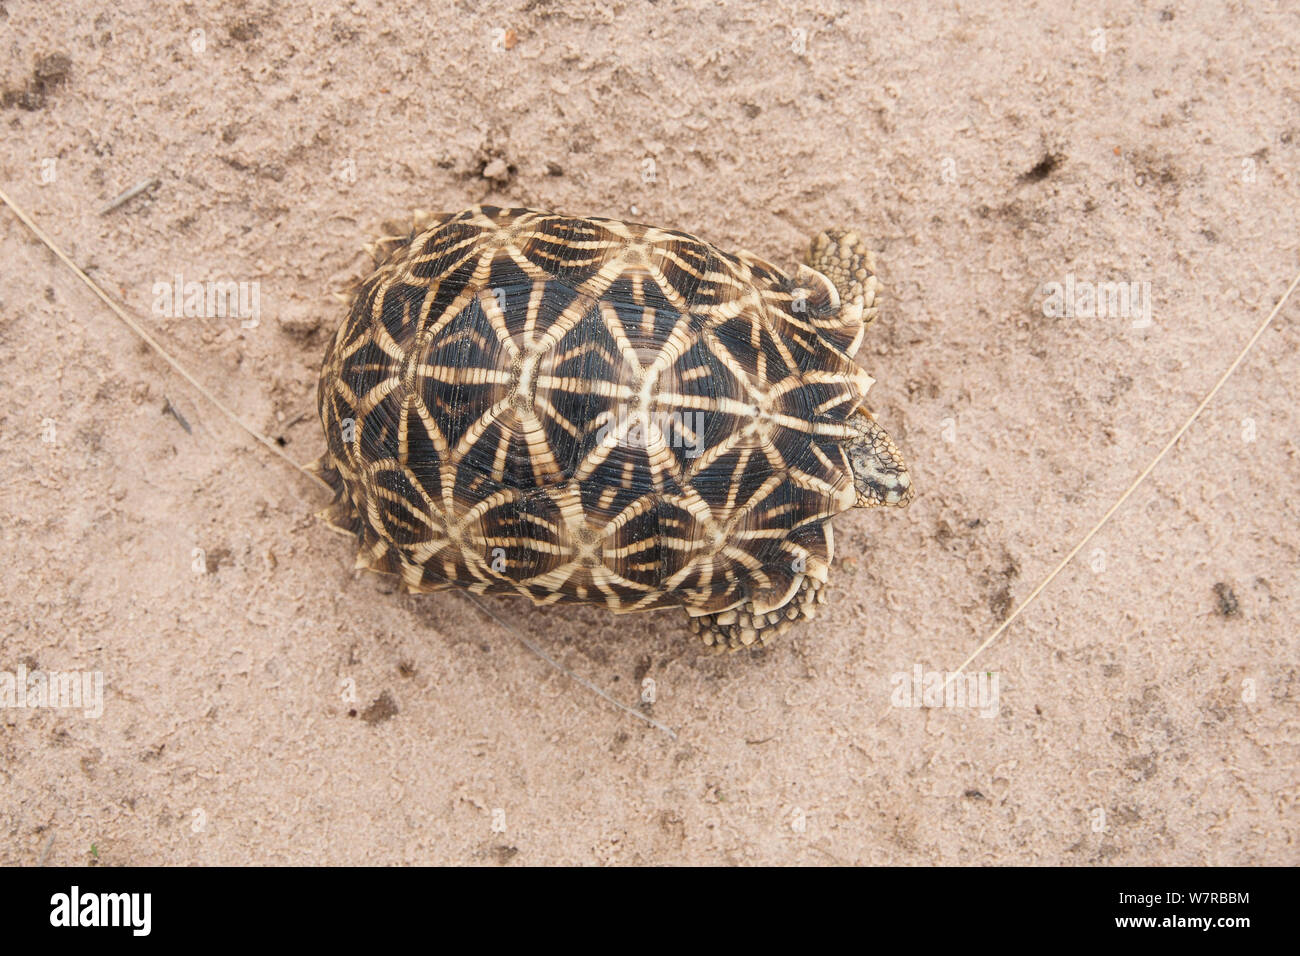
(844, 258)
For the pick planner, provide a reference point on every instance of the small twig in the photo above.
(170, 409)
(46, 852)
(1136, 483)
(149, 340)
(130, 194)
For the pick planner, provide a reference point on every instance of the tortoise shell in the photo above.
(599, 412)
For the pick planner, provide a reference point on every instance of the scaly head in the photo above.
(879, 472)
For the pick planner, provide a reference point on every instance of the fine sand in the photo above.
(265, 703)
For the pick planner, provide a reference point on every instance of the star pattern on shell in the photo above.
(591, 411)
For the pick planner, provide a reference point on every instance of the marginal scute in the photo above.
(593, 411)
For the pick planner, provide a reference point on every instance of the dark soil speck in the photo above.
(384, 708)
(1042, 169)
(1228, 605)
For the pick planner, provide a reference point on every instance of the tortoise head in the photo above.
(879, 472)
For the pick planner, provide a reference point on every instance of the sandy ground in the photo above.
(274, 706)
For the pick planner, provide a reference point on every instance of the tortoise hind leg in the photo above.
(743, 626)
(373, 552)
(397, 233)
(339, 515)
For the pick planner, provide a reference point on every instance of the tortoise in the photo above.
(584, 410)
